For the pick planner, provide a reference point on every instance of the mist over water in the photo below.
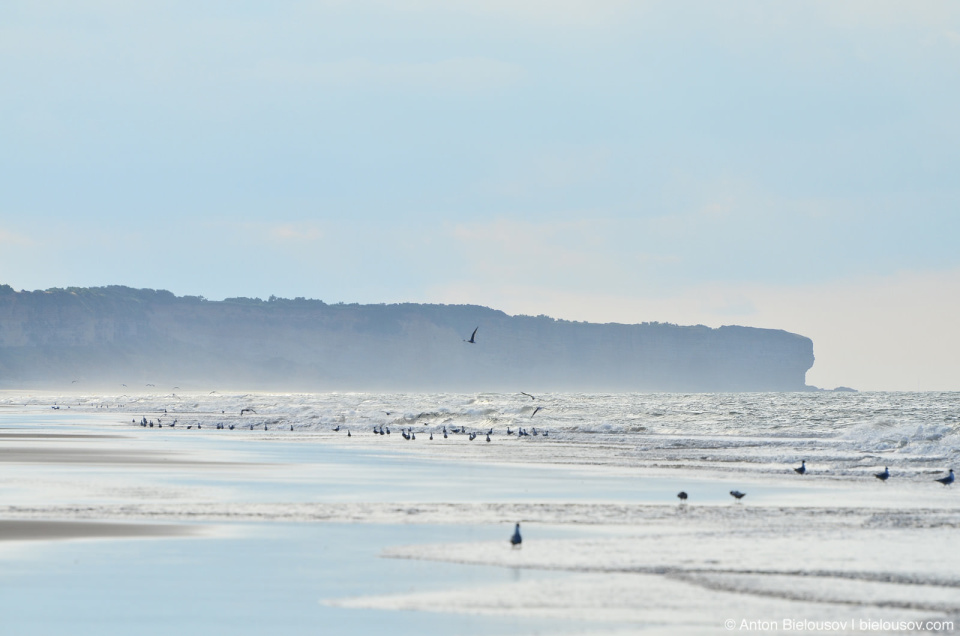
(843, 432)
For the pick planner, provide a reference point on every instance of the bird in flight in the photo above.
(528, 395)
(473, 337)
(242, 411)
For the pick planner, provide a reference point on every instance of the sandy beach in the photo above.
(34, 530)
(835, 545)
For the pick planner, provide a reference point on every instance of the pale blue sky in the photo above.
(789, 165)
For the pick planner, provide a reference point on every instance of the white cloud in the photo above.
(12, 238)
(459, 75)
(299, 232)
(565, 13)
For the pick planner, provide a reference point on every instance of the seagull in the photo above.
(884, 476)
(336, 429)
(431, 436)
(946, 481)
(802, 469)
(348, 431)
(444, 432)
(535, 411)
(242, 411)
(528, 395)
(473, 336)
(516, 539)
(488, 437)
(739, 495)
(682, 495)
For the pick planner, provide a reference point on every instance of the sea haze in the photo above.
(106, 337)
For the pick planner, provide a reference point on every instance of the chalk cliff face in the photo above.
(110, 336)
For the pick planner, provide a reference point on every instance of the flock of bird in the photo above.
(802, 470)
(884, 476)
(410, 434)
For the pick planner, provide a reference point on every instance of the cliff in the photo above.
(108, 336)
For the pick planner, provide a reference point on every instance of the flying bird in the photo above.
(884, 476)
(946, 481)
(528, 395)
(242, 411)
(516, 539)
(536, 410)
(802, 468)
(473, 336)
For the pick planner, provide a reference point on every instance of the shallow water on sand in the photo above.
(253, 579)
(833, 543)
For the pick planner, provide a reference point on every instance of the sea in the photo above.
(308, 516)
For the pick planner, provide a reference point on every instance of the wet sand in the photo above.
(840, 546)
(40, 530)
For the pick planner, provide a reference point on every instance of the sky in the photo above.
(782, 165)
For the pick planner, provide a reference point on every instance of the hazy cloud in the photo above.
(474, 74)
(12, 238)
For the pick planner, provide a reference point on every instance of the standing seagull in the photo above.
(946, 481)
(473, 336)
(516, 539)
(884, 476)
(802, 468)
(739, 495)
(682, 495)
